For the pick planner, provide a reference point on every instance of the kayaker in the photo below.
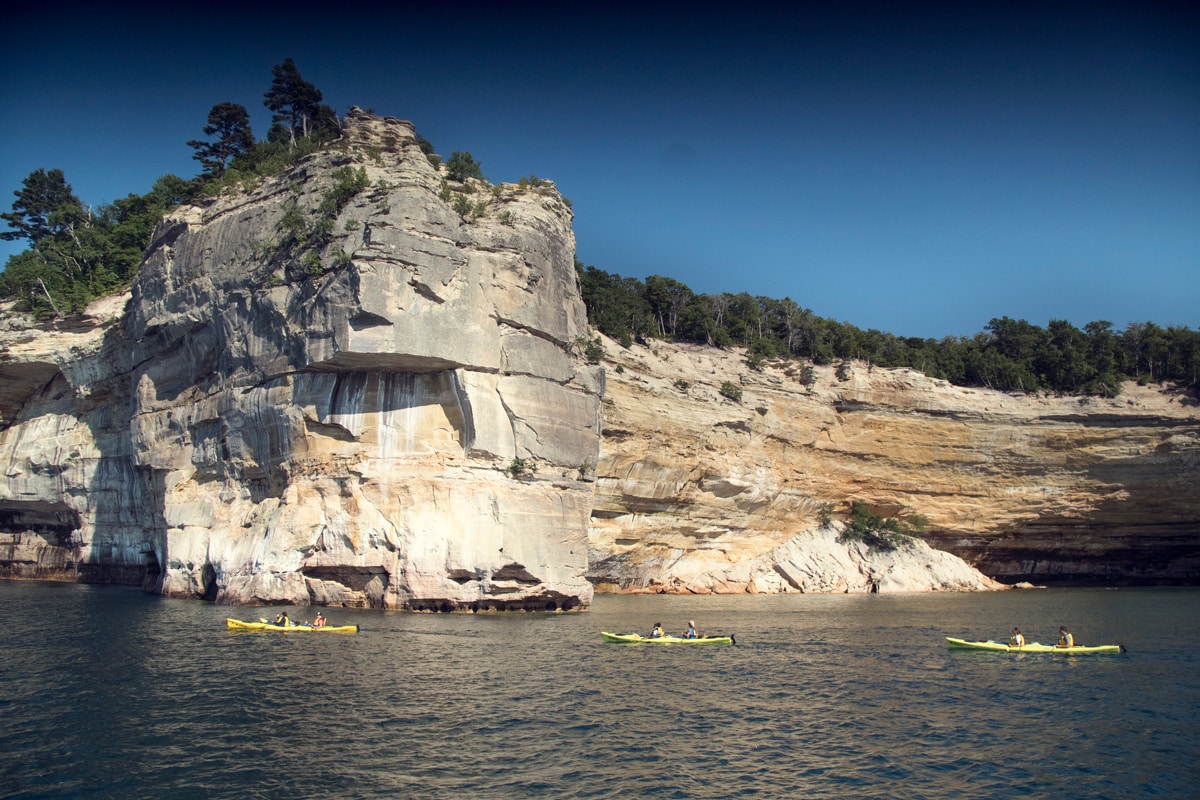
(282, 619)
(319, 622)
(1017, 639)
(690, 633)
(657, 632)
(1065, 639)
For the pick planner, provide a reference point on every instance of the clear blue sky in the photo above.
(918, 168)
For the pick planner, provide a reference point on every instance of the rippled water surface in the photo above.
(110, 693)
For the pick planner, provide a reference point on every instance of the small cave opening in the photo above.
(208, 581)
(151, 571)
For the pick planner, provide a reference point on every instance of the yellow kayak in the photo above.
(1033, 647)
(263, 625)
(633, 638)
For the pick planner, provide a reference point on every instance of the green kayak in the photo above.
(634, 638)
(1033, 647)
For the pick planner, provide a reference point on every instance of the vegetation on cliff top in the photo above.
(78, 253)
(1011, 355)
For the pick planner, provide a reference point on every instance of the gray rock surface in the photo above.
(313, 401)
(360, 383)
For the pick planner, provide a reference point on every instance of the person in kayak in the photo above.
(1065, 639)
(319, 622)
(690, 633)
(1017, 639)
(282, 619)
(657, 632)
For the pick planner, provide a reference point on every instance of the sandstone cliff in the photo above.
(696, 492)
(333, 387)
(315, 395)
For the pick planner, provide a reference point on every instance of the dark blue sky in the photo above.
(918, 168)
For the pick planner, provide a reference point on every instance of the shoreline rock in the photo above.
(1052, 490)
(309, 404)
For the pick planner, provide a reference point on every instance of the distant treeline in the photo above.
(1012, 355)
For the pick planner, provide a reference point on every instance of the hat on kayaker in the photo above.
(691, 624)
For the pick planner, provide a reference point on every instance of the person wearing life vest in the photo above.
(282, 619)
(319, 622)
(690, 633)
(657, 632)
(1017, 639)
(1065, 639)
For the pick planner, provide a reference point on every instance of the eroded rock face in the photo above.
(316, 395)
(355, 384)
(698, 493)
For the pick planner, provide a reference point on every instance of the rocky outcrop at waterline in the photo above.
(699, 492)
(329, 388)
(359, 383)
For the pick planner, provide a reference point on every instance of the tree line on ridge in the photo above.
(1010, 355)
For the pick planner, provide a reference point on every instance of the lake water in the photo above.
(110, 693)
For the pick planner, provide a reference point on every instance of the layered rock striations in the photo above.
(697, 492)
(330, 388)
(358, 383)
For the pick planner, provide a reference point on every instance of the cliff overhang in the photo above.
(314, 403)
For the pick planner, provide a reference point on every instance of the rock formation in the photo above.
(696, 492)
(359, 383)
(331, 388)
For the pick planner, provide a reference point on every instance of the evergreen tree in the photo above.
(52, 275)
(667, 298)
(1061, 358)
(1103, 350)
(295, 101)
(462, 165)
(1183, 355)
(325, 124)
(230, 123)
(78, 254)
(44, 206)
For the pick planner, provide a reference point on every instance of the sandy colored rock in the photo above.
(698, 493)
(382, 403)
